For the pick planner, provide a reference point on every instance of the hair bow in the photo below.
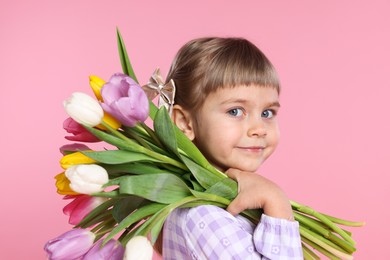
(166, 91)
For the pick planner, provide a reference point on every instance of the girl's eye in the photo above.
(268, 113)
(236, 112)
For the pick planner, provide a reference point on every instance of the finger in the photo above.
(235, 207)
(233, 173)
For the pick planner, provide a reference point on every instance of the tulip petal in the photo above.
(70, 148)
(63, 185)
(70, 245)
(80, 207)
(112, 250)
(83, 109)
(125, 100)
(96, 84)
(138, 248)
(87, 178)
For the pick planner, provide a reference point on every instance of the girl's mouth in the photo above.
(253, 149)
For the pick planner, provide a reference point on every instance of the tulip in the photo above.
(125, 100)
(80, 207)
(74, 159)
(62, 184)
(138, 248)
(111, 121)
(84, 109)
(71, 148)
(96, 84)
(112, 250)
(86, 178)
(70, 245)
(80, 134)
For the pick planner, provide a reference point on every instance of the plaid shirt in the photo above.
(210, 232)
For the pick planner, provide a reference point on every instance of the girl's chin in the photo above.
(244, 168)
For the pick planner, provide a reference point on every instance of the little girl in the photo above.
(227, 100)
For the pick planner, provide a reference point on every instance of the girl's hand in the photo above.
(255, 191)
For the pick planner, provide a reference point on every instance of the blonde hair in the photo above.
(204, 65)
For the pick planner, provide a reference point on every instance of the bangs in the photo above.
(241, 63)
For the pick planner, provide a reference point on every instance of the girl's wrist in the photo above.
(279, 208)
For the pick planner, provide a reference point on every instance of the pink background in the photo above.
(333, 60)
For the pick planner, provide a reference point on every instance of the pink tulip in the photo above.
(112, 250)
(125, 100)
(71, 245)
(71, 148)
(80, 207)
(80, 134)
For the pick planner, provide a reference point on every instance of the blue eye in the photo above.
(236, 112)
(268, 113)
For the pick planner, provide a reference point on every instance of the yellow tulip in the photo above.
(75, 158)
(96, 84)
(62, 184)
(110, 120)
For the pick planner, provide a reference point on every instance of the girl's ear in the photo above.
(183, 121)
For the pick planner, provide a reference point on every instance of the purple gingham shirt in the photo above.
(210, 232)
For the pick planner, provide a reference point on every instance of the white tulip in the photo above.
(138, 248)
(84, 109)
(86, 178)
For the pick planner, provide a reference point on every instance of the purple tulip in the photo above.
(125, 100)
(70, 245)
(80, 134)
(112, 250)
(80, 207)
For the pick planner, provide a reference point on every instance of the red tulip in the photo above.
(80, 207)
(80, 134)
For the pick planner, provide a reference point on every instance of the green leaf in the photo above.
(125, 61)
(226, 188)
(189, 148)
(136, 216)
(126, 206)
(164, 129)
(210, 198)
(133, 168)
(152, 110)
(95, 213)
(163, 188)
(205, 178)
(118, 156)
(129, 145)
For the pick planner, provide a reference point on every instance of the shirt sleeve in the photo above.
(210, 232)
(277, 238)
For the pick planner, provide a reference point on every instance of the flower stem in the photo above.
(144, 150)
(321, 243)
(151, 133)
(345, 222)
(309, 254)
(324, 219)
(317, 228)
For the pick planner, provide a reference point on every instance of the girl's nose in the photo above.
(257, 128)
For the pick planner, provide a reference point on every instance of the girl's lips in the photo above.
(251, 148)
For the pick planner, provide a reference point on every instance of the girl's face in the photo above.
(237, 127)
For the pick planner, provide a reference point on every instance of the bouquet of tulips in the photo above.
(121, 197)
